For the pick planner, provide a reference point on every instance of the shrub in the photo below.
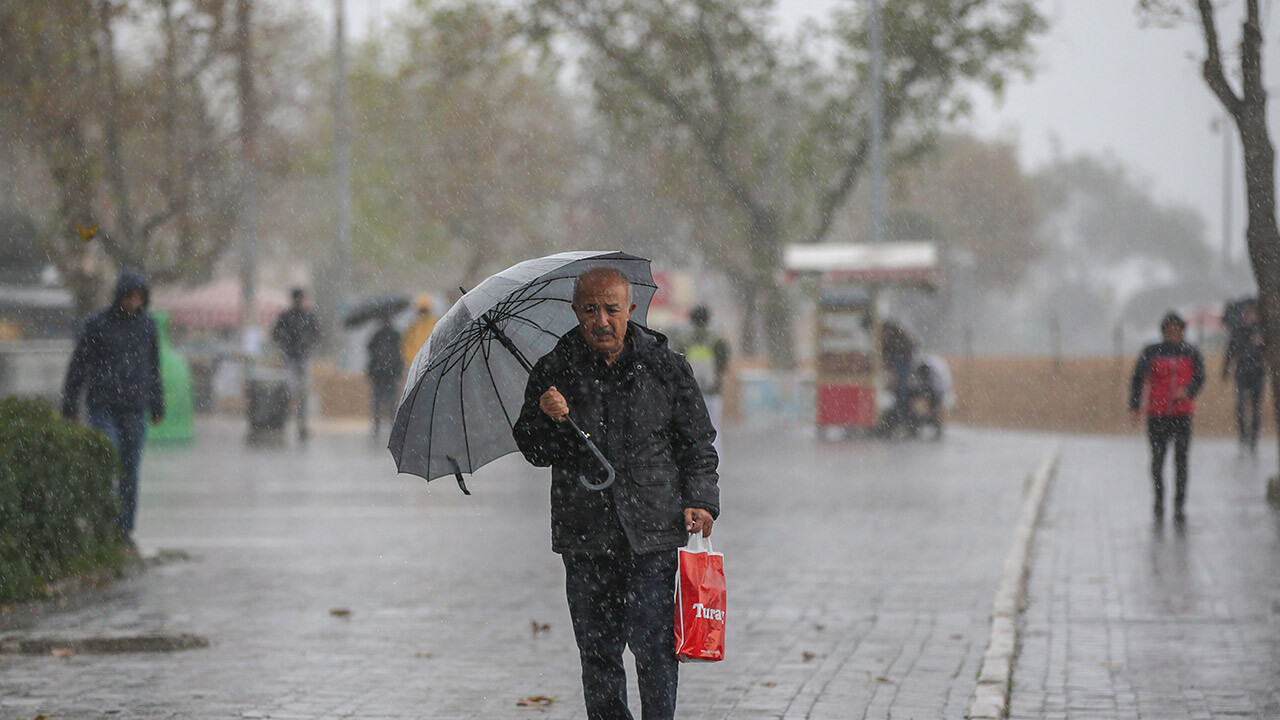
(58, 507)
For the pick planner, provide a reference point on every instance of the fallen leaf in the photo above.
(86, 234)
(819, 627)
(809, 656)
(422, 655)
(539, 628)
(340, 612)
(535, 701)
(882, 679)
(62, 652)
(769, 683)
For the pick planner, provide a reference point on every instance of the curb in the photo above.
(102, 643)
(995, 677)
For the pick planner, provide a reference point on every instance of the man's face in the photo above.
(1172, 332)
(133, 301)
(603, 311)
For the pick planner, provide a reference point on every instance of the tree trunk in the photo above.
(771, 300)
(1263, 235)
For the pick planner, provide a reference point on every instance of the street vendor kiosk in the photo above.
(850, 380)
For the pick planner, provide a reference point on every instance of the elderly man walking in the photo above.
(639, 402)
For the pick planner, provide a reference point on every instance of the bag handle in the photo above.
(697, 543)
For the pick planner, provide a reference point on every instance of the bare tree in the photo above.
(1243, 95)
(133, 148)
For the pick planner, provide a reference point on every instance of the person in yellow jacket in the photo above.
(418, 331)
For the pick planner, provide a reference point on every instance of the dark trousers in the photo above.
(623, 599)
(384, 400)
(1160, 431)
(127, 431)
(1248, 400)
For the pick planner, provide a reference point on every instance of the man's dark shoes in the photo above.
(1179, 516)
(1157, 510)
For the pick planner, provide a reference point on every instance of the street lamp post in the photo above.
(342, 162)
(877, 131)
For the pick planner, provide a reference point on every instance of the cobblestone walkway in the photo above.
(860, 582)
(1128, 618)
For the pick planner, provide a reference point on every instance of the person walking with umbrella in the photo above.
(384, 368)
(1172, 373)
(638, 401)
(1245, 354)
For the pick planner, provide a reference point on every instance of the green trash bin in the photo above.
(175, 376)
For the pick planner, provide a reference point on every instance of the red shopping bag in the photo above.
(700, 603)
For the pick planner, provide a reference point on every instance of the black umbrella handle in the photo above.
(501, 337)
(608, 467)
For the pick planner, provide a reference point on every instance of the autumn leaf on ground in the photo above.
(539, 628)
(809, 656)
(819, 627)
(86, 233)
(769, 683)
(535, 701)
(340, 612)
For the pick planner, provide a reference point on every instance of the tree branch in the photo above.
(834, 197)
(661, 92)
(1212, 68)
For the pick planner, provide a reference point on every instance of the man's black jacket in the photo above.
(116, 361)
(296, 332)
(648, 417)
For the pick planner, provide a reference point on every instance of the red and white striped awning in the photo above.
(216, 305)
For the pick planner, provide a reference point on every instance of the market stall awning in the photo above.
(896, 262)
(216, 305)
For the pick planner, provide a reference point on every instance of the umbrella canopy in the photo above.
(374, 306)
(466, 385)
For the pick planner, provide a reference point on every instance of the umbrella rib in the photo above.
(536, 326)
(484, 347)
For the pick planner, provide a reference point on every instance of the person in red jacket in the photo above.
(1172, 373)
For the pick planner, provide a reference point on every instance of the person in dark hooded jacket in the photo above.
(116, 366)
(638, 400)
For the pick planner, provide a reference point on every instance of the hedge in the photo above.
(58, 507)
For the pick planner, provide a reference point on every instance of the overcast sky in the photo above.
(1104, 85)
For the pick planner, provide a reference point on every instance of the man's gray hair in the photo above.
(605, 271)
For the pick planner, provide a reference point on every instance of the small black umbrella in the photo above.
(466, 385)
(374, 306)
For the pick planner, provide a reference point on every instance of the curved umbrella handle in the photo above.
(608, 467)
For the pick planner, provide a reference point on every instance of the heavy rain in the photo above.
(639, 358)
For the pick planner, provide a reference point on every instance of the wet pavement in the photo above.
(860, 580)
(1128, 618)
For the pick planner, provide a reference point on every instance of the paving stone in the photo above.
(879, 559)
(1128, 618)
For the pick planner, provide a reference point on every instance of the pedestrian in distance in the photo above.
(297, 332)
(418, 331)
(640, 403)
(384, 368)
(116, 366)
(1245, 355)
(1171, 372)
(708, 356)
